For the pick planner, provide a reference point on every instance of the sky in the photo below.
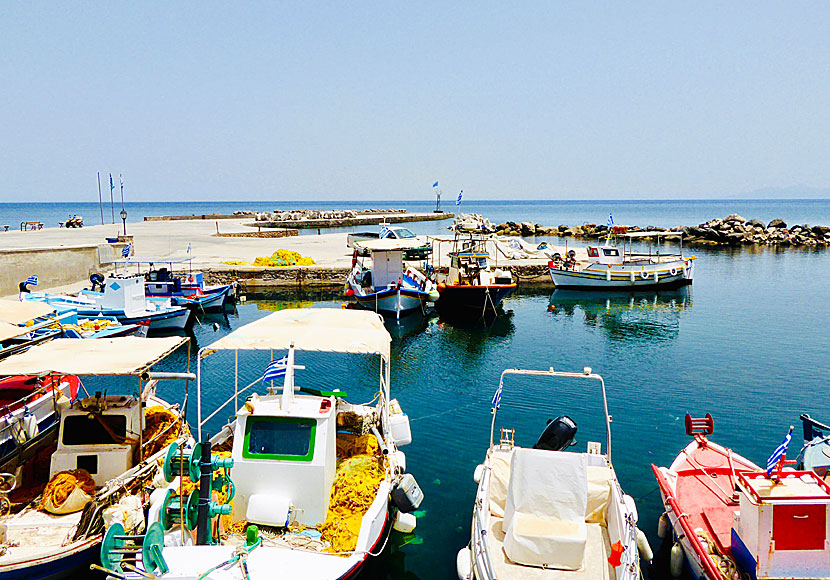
(358, 100)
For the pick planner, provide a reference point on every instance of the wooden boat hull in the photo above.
(392, 301)
(73, 559)
(475, 300)
(626, 276)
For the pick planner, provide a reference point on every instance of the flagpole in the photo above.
(100, 200)
(112, 202)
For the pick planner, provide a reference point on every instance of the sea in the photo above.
(747, 342)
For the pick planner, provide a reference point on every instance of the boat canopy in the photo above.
(390, 245)
(9, 331)
(126, 355)
(137, 260)
(17, 312)
(320, 329)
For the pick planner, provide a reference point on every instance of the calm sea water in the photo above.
(747, 342)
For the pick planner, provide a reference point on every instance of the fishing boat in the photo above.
(815, 452)
(546, 512)
(618, 266)
(470, 285)
(385, 283)
(101, 462)
(312, 483)
(123, 298)
(734, 520)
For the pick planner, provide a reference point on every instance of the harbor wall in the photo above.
(54, 266)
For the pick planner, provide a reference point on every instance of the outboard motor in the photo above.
(558, 435)
(97, 279)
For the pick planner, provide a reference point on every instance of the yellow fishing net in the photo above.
(276, 260)
(61, 486)
(162, 423)
(356, 483)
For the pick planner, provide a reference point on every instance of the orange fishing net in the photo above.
(64, 483)
(161, 428)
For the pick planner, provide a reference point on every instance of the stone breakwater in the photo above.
(279, 215)
(733, 230)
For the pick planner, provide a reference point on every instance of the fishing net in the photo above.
(280, 258)
(161, 428)
(355, 487)
(355, 423)
(68, 491)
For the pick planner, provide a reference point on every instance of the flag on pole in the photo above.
(610, 220)
(276, 369)
(458, 200)
(435, 184)
(31, 280)
(496, 402)
(780, 451)
(385, 232)
(125, 251)
(121, 177)
(112, 185)
(188, 247)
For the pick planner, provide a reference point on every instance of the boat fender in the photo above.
(30, 426)
(663, 526)
(673, 271)
(464, 563)
(676, 560)
(478, 473)
(404, 523)
(354, 258)
(643, 546)
(400, 460)
(633, 277)
(608, 274)
(407, 495)
(656, 277)
(631, 506)
(644, 275)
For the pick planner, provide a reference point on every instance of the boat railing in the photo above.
(480, 541)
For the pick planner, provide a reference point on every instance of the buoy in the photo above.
(663, 526)
(673, 271)
(633, 276)
(405, 523)
(441, 287)
(644, 275)
(643, 546)
(400, 459)
(30, 426)
(632, 507)
(349, 292)
(464, 564)
(676, 560)
(608, 275)
(243, 298)
(479, 471)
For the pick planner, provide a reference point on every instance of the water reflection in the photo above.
(626, 316)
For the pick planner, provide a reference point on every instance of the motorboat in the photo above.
(99, 464)
(815, 452)
(386, 283)
(617, 266)
(123, 298)
(732, 519)
(547, 512)
(470, 286)
(306, 484)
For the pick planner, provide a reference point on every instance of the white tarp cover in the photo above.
(17, 312)
(321, 329)
(8, 331)
(388, 245)
(126, 355)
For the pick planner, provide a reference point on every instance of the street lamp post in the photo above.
(124, 219)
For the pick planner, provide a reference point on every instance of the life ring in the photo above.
(673, 271)
(644, 275)
(190, 278)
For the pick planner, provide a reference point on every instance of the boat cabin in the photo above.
(783, 527)
(605, 254)
(124, 292)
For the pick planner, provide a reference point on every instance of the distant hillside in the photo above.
(790, 192)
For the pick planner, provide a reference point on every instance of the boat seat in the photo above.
(544, 516)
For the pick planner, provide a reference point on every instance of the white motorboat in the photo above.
(106, 457)
(615, 267)
(312, 483)
(548, 513)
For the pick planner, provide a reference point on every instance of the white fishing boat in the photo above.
(618, 266)
(312, 483)
(548, 513)
(55, 501)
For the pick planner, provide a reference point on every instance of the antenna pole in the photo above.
(100, 199)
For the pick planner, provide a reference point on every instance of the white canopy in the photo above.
(126, 355)
(8, 331)
(321, 329)
(389, 245)
(20, 312)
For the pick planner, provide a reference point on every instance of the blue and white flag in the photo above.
(496, 402)
(458, 200)
(112, 185)
(610, 220)
(385, 232)
(276, 369)
(125, 251)
(435, 184)
(188, 247)
(780, 451)
(31, 280)
(121, 178)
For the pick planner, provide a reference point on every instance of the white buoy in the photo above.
(644, 547)
(400, 458)
(479, 471)
(243, 298)
(464, 564)
(632, 507)
(405, 523)
(663, 526)
(676, 560)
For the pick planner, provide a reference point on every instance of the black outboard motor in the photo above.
(97, 280)
(558, 435)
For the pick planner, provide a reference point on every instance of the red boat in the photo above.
(734, 521)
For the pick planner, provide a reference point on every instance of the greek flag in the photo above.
(385, 232)
(125, 251)
(112, 185)
(31, 280)
(188, 247)
(276, 369)
(610, 220)
(780, 451)
(496, 402)
(458, 200)
(435, 184)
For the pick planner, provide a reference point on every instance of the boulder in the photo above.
(734, 218)
(820, 230)
(777, 224)
(562, 228)
(528, 229)
(754, 223)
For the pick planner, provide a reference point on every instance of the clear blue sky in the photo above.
(342, 100)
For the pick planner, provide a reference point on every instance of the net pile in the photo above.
(355, 487)
(161, 428)
(280, 258)
(67, 492)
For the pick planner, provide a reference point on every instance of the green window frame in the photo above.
(251, 421)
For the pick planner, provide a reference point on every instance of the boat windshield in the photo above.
(404, 233)
(279, 438)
